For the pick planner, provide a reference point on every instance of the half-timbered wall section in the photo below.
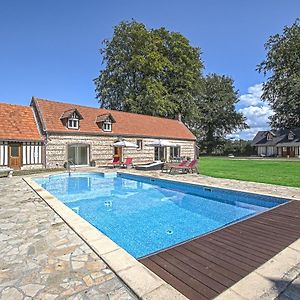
(32, 153)
(3, 153)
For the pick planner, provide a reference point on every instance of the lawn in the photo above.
(273, 171)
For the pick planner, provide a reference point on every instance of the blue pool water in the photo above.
(143, 215)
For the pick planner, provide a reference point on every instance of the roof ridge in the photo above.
(100, 108)
(11, 104)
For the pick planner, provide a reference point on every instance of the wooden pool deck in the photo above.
(206, 266)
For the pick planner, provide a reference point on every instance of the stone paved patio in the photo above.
(42, 258)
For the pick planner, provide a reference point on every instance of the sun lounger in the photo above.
(168, 166)
(127, 162)
(116, 162)
(192, 166)
(157, 165)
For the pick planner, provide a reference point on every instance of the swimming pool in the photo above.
(145, 215)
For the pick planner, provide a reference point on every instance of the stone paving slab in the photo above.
(42, 258)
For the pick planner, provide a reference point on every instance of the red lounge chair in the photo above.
(168, 167)
(127, 162)
(192, 166)
(116, 161)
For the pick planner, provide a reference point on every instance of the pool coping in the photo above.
(143, 282)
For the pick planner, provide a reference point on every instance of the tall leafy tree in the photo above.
(282, 88)
(217, 114)
(154, 72)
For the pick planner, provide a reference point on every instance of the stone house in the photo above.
(85, 135)
(21, 143)
(281, 143)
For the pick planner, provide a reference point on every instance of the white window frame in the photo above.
(107, 125)
(139, 143)
(73, 122)
(269, 136)
(291, 136)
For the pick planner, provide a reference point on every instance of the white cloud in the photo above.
(256, 111)
(253, 97)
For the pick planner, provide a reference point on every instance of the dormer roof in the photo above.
(69, 113)
(105, 117)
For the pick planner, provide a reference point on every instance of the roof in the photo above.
(18, 123)
(280, 138)
(68, 113)
(126, 124)
(104, 117)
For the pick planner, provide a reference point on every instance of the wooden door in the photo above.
(118, 152)
(15, 156)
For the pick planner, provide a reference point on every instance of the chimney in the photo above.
(179, 117)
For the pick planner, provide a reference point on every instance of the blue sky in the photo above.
(50, 48)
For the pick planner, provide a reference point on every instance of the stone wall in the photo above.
(101, 150)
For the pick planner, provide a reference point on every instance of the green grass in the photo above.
(286, 173)
(30, 172)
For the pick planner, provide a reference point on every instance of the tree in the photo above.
(217, 114)
(153, 72)
(282, 89)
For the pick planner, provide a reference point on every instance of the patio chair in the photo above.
(116, 162)
(167, 167)
(192, 166)
(127, 162)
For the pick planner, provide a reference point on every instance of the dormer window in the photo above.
(107, 125)
(71, 118)
(73, 122)
(105, 122)
(269, 137)
(291, 136)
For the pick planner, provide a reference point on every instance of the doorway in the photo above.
(118, 152)
(14, 156)
(78, 154)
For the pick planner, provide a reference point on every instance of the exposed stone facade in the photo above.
(101, 151)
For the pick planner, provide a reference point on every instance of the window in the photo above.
(291, 136)
(106, 126)
(175, 152)
(73, 122)
(139, 144)
(78, 154)
(160, 153)
(269, 137)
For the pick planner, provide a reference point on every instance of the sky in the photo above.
(50, 49)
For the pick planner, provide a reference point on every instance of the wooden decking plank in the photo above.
(278, 225)
(221, 262)
(172, 280)
(261, 231)
(225, 281)
(273, 228)
(203, 267)
(242, 261)
(266, 242)
(257, 256)
(196, 274)
(186, 278)
(234, 250)
(270, 228)
(223, 271)
(247, 241)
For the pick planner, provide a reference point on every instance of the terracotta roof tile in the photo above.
(129, 124)
(17, 122)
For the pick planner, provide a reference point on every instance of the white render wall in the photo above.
(3, 153)
(101, 150)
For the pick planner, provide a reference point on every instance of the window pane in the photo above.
(14, 150)
(71, 154)
(82, 155)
